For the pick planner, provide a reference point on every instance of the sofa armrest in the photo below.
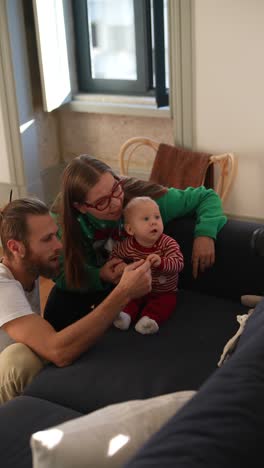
(237, 269)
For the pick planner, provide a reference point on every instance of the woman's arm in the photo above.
(200, 202)
(206, 205)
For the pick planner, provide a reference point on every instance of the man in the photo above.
(27, 341)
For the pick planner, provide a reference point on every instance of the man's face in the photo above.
(43, 250)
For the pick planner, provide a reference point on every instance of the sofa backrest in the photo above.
(237, 269)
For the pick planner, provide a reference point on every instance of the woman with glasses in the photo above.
(89, 212)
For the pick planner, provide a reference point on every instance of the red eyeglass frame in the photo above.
(119, 183)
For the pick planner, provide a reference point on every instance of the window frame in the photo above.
(143, 86)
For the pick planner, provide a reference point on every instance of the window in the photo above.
(121, 47)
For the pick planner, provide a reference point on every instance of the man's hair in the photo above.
(13, 220)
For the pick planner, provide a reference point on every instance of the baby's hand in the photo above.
(154, 260)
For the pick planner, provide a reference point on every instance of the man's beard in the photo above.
(36, 267)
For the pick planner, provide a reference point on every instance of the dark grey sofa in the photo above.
(127, 365)
(222, 426)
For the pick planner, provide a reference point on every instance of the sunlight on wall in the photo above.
(26, 125)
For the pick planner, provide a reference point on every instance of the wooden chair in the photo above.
(224, 163)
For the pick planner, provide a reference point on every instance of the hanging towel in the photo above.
(180, 168)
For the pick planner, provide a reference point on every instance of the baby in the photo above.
(143, 224)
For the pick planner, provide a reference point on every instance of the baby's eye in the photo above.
(157, 217)
(146, 218)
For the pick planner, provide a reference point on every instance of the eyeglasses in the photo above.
(104, 202)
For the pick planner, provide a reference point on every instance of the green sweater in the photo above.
(204, 203)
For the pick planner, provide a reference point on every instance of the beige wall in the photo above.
(228, 38)
(102, 135)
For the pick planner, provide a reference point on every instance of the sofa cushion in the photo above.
(107, 437)
(19, 419)
(222, 426)
(125, 365)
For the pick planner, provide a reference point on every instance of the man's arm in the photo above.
(63, 347)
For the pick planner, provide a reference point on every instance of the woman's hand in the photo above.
(203, 254)
(137, 279)
(118, 271)
(154, 260)
(112, 270)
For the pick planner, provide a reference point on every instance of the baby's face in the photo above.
(145, 223)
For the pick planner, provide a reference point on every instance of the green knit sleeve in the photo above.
(200, 202)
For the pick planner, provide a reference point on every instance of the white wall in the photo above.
(228, 79)
(5, 176)
(26, 118)
(28, 137)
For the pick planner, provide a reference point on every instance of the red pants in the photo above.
(158, 307)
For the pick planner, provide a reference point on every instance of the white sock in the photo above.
(146, 326)
(122, 321)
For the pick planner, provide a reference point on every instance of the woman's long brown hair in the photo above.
(80, 175)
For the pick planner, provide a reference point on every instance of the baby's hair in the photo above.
(133, 204)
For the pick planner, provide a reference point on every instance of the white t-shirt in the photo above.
(14, 302)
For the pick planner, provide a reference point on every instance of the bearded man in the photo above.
(31, 249)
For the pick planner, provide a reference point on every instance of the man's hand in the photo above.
(203, 254)
(111, 271)
(154, 260)
(137, 279)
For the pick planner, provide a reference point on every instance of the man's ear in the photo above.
(129, 229)
(17, 248)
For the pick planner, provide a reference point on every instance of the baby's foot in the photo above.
(146, 326)
(122, 321)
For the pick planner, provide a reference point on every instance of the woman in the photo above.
(89, 211)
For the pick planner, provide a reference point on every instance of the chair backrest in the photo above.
(224, 164)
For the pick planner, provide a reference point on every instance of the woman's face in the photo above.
(105, 199)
